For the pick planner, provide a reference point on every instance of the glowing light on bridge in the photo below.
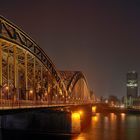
(95, 119)
(81, 112)
(76, 115)
(93, 109)
(7, 88)
(76, 122)
(31, 91)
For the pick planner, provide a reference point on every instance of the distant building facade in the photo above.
(132, 89)
(132, 84)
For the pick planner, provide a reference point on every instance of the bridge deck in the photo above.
(22, 104)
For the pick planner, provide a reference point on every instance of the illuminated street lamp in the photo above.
(81, 112)
(30, 94)
(7, 88)
(31, 91)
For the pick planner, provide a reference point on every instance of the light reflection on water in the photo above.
(102, 127)
(112, 127)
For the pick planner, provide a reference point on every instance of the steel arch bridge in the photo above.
(28, 78)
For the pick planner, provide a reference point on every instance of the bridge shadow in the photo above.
(23, 135)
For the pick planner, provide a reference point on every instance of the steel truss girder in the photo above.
(11, 33)
(78, 75)
(31, 62)
(35, 76)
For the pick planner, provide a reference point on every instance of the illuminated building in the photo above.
(132, 84)
(131, 99)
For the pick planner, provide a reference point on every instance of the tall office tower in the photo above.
(132, 84)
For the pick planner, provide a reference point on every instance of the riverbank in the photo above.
(107, 109)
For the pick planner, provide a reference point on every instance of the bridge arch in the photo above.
(26, 72)
(76, 85)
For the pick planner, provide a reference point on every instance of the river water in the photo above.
(102, 127)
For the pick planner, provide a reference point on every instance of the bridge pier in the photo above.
(85, 114)
(1, 125)
(37, 121)
(48, 121)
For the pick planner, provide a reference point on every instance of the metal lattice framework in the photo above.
(76, 85)
(27, 75)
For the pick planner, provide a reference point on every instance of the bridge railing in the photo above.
(11, 104)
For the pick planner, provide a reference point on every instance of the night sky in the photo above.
(100, 38)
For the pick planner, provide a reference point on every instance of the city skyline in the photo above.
(99, 38)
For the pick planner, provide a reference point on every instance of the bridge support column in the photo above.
(15, 75)
(75, 123)
(26, 76)
(1, 121)
(8, 75)
(0, 71)
(34, 83)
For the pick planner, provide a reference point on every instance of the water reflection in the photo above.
(123, 116)
(112, 127)
(102, 127)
